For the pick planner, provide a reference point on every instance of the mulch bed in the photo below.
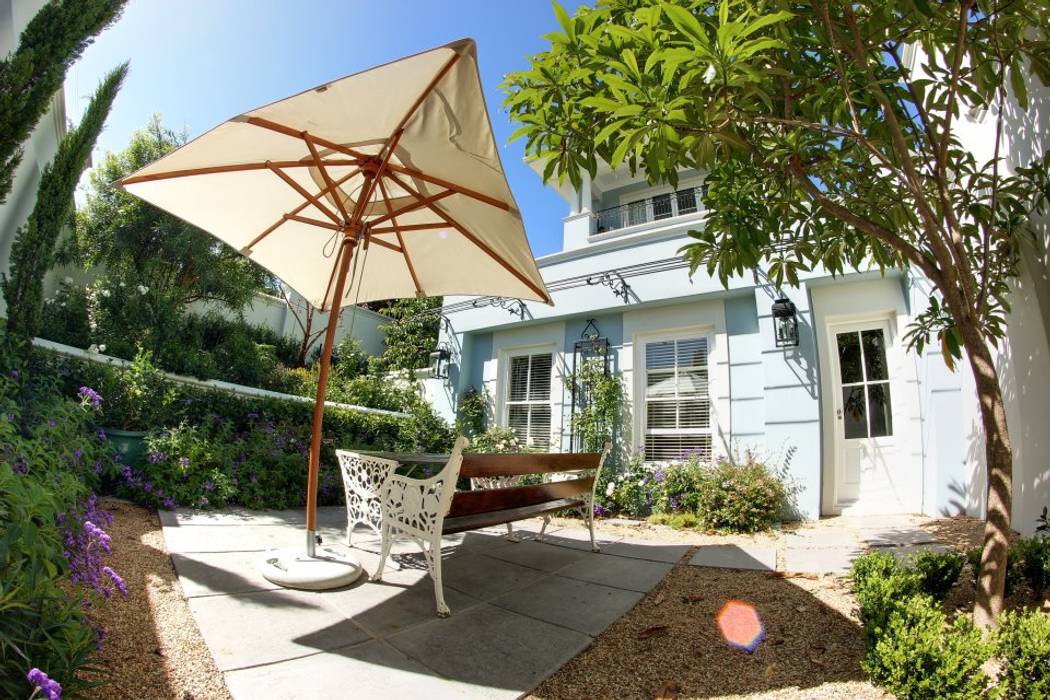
(153, 648)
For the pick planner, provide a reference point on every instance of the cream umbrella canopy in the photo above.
(391, 175)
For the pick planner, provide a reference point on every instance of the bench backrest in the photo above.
(488, 466)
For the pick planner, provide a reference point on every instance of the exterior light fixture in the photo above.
(439, 361)
(785, 323)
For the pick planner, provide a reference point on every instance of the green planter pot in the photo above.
(130, 443)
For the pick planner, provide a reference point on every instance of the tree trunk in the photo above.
(304, 345)
(999, 466)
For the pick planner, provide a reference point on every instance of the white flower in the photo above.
(609, 488)
(67, 280)
(102, 348)
(709, 74)
(143, 289)
(93, 348)
(121, 284)
(63, 304)
(105, 293)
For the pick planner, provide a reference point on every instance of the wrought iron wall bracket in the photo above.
(614, 281)
(516, 307)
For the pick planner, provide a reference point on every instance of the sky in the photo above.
(199, 62)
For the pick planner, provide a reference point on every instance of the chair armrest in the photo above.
(418, 506)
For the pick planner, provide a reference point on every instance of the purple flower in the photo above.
(156, 457)
(101, 435)
(117, 580)
(77, 454)
(209, 485)
(89, 395)
(14, 375)
(202, 501)
(184, 462)
(52, 423)
(50, 689)
(169, 503)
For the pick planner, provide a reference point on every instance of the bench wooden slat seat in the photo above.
(426, 509)
(477, 521)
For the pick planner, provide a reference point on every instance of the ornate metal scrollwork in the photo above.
(614, 281)
(516, 307)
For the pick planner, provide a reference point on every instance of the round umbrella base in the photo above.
(292, 568)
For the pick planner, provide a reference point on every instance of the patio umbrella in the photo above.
(383, 184)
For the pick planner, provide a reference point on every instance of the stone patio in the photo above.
(520, 610)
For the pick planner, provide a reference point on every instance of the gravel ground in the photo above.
(153, 648)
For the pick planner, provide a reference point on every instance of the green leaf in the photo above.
(686, 23)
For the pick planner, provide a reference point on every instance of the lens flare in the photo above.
(740, 626)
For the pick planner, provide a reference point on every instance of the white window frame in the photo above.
(641, 371)
(506, 355)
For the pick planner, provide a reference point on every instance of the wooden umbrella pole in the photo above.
(350, 237)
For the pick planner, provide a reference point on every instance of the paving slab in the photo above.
(373, 669)
(259, 628)
(820, 560)
(536, 555)
(220, 538)
(651, 551)
(492, 647)
(821, 537)
(485, 577)
(618, 572)
(895, 537)
(580, 605)
(216, 573)
(327, 516)
(733, 556)
(399, 602)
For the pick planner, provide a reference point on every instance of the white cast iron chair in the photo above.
(416, 508)
(363, 477)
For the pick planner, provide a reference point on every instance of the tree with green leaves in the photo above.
(33, 252)
(149, 264)
(31, 75)
(412, 334)
(828, 131)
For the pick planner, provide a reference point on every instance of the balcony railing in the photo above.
(644, 211)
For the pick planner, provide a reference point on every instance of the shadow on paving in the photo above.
(672, 639)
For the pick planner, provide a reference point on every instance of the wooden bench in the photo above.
(426, 509)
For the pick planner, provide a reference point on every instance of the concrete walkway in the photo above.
(520, 610)
(825, 547)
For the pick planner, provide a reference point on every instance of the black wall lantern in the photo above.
(439, 361)
(785, 323)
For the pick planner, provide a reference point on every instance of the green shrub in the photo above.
(496, 440)
(741, 496)
(939, 571)
(1033, 561)
(1023, 644)
(630, 492)
(683, 521)
(1014, 574)
(678, 488)
(920, 656)
(881, 583)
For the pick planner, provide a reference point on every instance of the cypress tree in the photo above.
(33, 252)
(29, 77)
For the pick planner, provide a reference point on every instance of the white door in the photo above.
(869, 476)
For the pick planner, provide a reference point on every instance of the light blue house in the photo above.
(877, 429)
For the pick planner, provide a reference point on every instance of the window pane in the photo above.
(880, 410)
(518, 420)
(854, 412)
(692, 382)
(540, 427)
(686, 201)
(540, 378)
(661, 414)
(668, 448)
(692, 353)
(659, 355)
(519, 378)
(694, 414)
(874, 354)
(849, 357)
(661, 206)
(659, 383)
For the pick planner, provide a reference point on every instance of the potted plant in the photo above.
(133, 398)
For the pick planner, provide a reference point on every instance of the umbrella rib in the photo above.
(423, 202)
(298, 134)
(473, 239)
(383, 244)
(304, 193)
(409, 227)
(400, 240)
(412, 172)
(314, 222)
(426, 91)
(284, 217)
(327, 178)
(217, 169)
